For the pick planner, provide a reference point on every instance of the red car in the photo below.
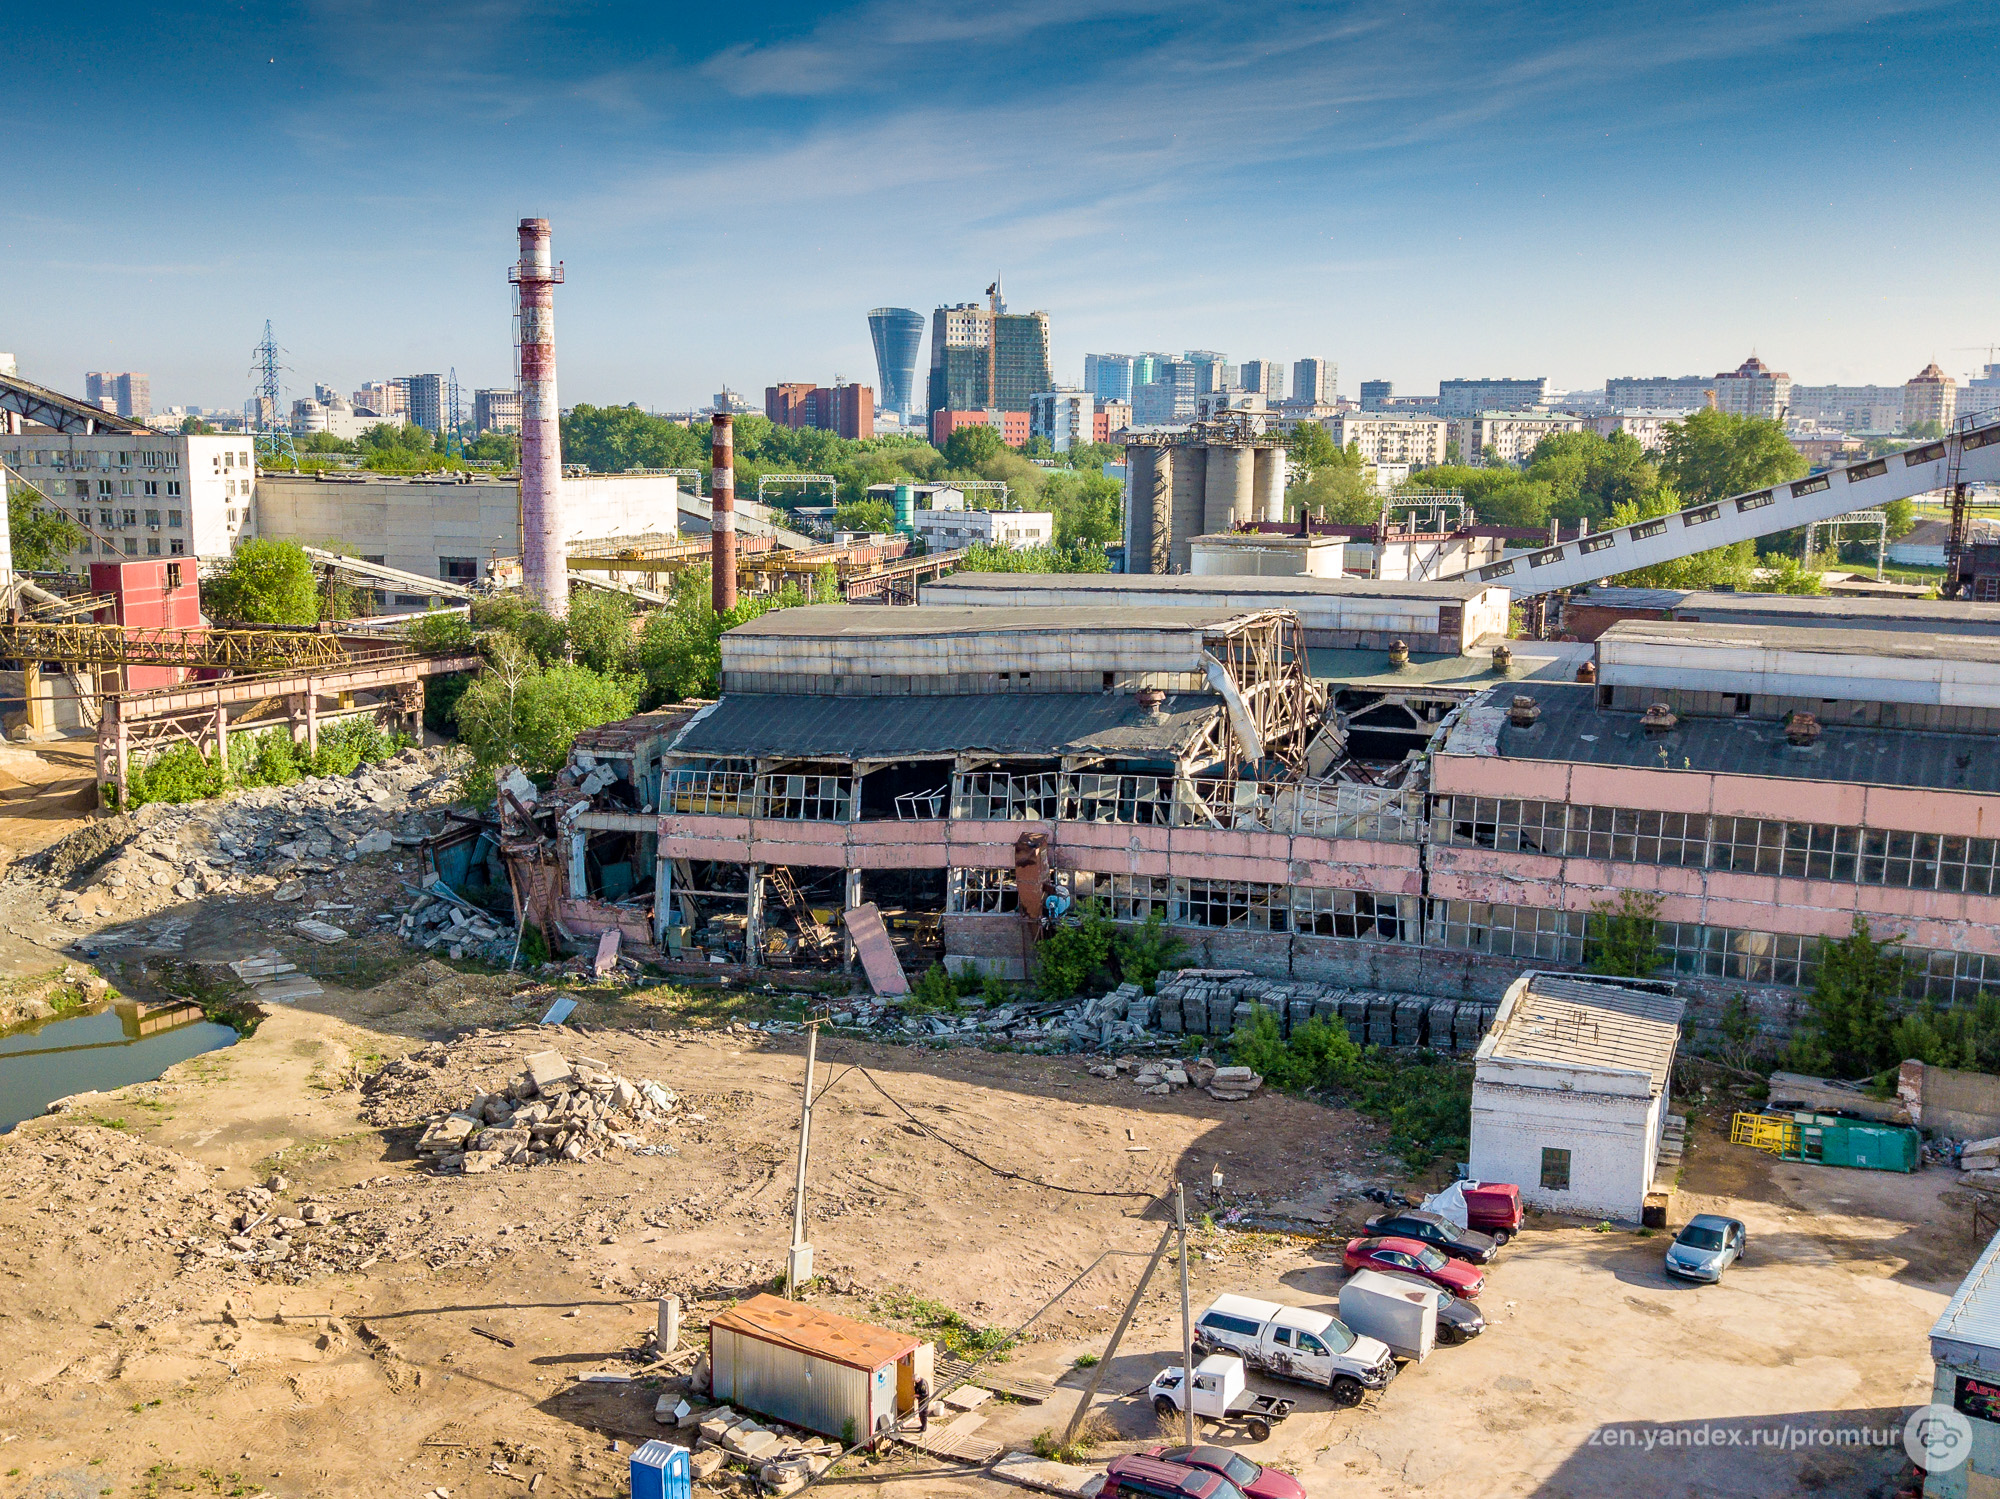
(1255, 1480)
(1412, 1258)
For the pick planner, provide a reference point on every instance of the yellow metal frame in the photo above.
(141, 645)
(1775, 1133)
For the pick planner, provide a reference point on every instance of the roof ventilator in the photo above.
(1503, 659)
(1399, 655)
(1658, 720)
(1523, 712)
(1802, 730)
(1151, 701)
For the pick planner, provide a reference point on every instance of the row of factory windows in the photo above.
(127, 488)
(59, 458)
(1528, 933)
(128, 515)
(1694, 840)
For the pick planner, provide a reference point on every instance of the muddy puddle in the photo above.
(97, 1050)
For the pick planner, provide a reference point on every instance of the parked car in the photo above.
(1437, 1231)
(1222, 1394)
(1289, 1342)
(1458, 1319)
(1433, 1265)
(1254, 1479)
(1493, 1208)
(1706, 1247)
(1136, 1477)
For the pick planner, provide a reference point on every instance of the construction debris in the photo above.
(555, 1111)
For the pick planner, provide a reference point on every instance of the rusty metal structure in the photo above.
(535, 278)
(722, 499)
(123, 645)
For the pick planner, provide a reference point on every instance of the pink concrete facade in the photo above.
(1938, 919)
(1102, 848)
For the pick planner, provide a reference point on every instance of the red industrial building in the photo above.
(1013, 425)
(154, 594)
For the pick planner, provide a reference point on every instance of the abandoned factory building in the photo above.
(1765, 785)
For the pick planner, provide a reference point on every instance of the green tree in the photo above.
(1622, 936)
(265, 583)
(600, 632)
(194, 426)
(1714, 454)
(1499, 494)
(1588, 476)
(1089, 509)
(324, 442)
(520, 712)
(1856, 1004)
(612, 439)
(43, 537)
(866, 515)
(1902, 517)
(680, 648)
(525, 621)
(503, 448)
(1784, 574)
(969, 447)
(981, 558)
(1336, 488)
(1308, 449)
(1924, 431)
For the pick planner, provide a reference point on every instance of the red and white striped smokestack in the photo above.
(544, 561)
(722, 511)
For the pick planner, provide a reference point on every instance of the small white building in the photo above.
(949, 530)
(1965, 1350)
(1065, 416)
(1569, 1091)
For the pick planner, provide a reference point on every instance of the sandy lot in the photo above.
(133, 1365)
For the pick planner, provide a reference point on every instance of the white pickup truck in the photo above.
(1289, 1342)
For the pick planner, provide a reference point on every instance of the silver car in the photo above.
(1705, 1248)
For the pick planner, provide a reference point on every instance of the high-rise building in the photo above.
(496, 410)
(1212, 371)
(1376, 393)
(1108, 377)
(1657, 392)
(426, 394)
(987, 357)
(1314, 381)
(388, 398)
(1507, 393)
(1930, 396)
(898, 333)
(124, 392)
(1170, 396)
(1146, 369)
(1851, 408)
(1979, 397)
(1753, 388)
(1264, 376)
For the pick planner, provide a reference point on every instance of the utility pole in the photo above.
(1187, 1326)
(1117, 1333)
(799, 1259)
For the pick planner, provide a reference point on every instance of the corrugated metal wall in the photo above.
(788, 1385)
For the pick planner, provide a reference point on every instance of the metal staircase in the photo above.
(1954, 461)
(813, 936)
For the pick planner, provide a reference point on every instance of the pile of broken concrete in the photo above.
(1160, 1076)
(555, 1111)
(438, 919)
(783, 1461)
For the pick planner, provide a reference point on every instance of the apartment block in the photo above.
(1753, 388)
(1266, 377)
(1419, 441)
(1506, 393)
(1506, 437)
(1065, 417)
(1108, 377)
(1315, 382)
(127, 393)
(845, 410)
(1658, 392)
(496, 410)
(1930, 396)
(143, 494)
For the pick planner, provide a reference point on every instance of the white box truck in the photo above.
(1395, 1312)
(1290, 1342)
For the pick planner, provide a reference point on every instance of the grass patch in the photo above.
(1085, 1361)
(105, 1121)
(958, 1336)
(1094, 1433)
(220, 1003)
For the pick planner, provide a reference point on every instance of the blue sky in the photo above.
(1414, 191)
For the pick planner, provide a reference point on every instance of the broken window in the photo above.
(1001, 796)
(808, 798)
(693, 792)
(1555, 1169)
(1517, 931)
(1353, 913)
(1135, 897)
(985, 891)
(1247, 905)
(1097, 796)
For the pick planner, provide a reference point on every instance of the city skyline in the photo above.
(1577, 206)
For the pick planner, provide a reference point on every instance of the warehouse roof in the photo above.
(828, 621)
(1574, 729)
(1579, 1023)
(808, 1330)
(892, 728)
(1949, 614)
(1114, 585)
(1831, 641)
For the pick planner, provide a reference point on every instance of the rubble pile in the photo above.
(262, 841)
(1161, 1076)
(106, 1196)
(783, 1461)
(554, 1111)
(438, 920)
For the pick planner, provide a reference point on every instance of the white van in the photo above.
(1289, 1342)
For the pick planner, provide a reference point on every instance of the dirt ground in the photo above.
(433, 1332)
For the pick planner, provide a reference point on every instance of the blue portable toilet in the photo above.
(660, 1470)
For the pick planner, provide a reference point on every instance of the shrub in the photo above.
(1143, 953)
(1075, 950)
(266, 583)
(1622, 936)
